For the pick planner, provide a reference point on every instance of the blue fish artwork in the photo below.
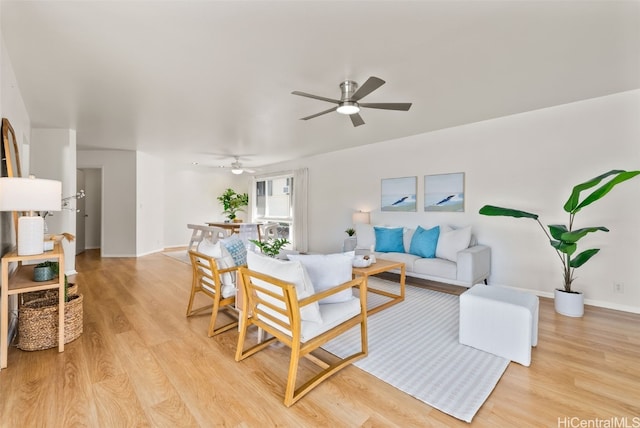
(399, 201)
(448, 198)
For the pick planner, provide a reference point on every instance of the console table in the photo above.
(21, 281)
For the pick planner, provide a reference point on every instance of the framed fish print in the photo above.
(399, 194)
(444, 192)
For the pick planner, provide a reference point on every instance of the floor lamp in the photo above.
(30, 195)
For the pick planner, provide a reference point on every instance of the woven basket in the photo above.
(38, 323)
(72, 290)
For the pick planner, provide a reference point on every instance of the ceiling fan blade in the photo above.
(356, 119)
(250, 171)
(319, 114)
(316, 97)
(369, 86)
(388, 106)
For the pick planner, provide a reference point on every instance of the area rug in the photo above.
(414, 347)
(180, 255)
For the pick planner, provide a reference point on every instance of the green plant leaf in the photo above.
(557, 230)
(583, 257)
(492, 210)
(564, 247)
(270, 248)
(573, 204)
(576, 235)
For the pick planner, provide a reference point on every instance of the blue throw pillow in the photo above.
(424, 242)
(389, 240)
(236, 248)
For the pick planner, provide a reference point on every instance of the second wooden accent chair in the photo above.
(208, 279)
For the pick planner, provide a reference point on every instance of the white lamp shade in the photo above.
(361, 217)
(30, 194)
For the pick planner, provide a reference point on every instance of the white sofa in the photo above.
(459, 259)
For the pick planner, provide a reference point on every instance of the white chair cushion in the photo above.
(223, 260)
(288, 271)
(326, 271)
(449, 243)
(332, 315)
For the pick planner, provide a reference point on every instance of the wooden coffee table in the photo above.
(379, 267)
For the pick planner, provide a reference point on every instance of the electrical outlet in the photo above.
(618, 288)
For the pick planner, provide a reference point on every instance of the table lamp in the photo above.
(361, 217)
(30, 195)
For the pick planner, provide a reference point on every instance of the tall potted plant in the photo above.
(564, 238)
(233, 202)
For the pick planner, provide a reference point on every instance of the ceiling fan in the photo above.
(349, 100)
(237, 168)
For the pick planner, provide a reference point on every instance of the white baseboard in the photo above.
(591, 302)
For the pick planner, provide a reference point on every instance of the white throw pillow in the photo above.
(223, 260)
(365, 236)
(449, 243)
(326, 271)
(407, 236)
(289, 271)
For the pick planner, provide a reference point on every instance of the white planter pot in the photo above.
(569, 304)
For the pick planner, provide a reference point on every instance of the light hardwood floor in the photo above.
(141, 362)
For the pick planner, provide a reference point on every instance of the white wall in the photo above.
(529, 161)
(118, 199)
(53, 156)
(190, 197)
(12, 107)
(150, 208)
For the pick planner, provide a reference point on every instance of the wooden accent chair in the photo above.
(207, 279)
(272, 305)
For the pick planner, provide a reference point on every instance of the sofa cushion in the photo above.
(326, 271)
(435, 267)
(424, 242)
(449, 243)
(365, 236)
(406, 258)
(289, 271)
(407, 236)
(389, 240)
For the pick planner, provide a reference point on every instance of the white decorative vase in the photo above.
(569, 304)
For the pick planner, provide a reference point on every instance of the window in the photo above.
(273, 202)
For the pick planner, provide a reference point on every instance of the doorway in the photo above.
(89, 215)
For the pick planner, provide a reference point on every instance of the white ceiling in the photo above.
(203, 80)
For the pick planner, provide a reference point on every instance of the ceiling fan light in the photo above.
(236, 171)
(348, 107)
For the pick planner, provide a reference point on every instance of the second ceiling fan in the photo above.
(349, 102)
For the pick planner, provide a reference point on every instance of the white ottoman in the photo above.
(499, 320)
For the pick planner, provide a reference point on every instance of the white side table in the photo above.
(349, 244)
